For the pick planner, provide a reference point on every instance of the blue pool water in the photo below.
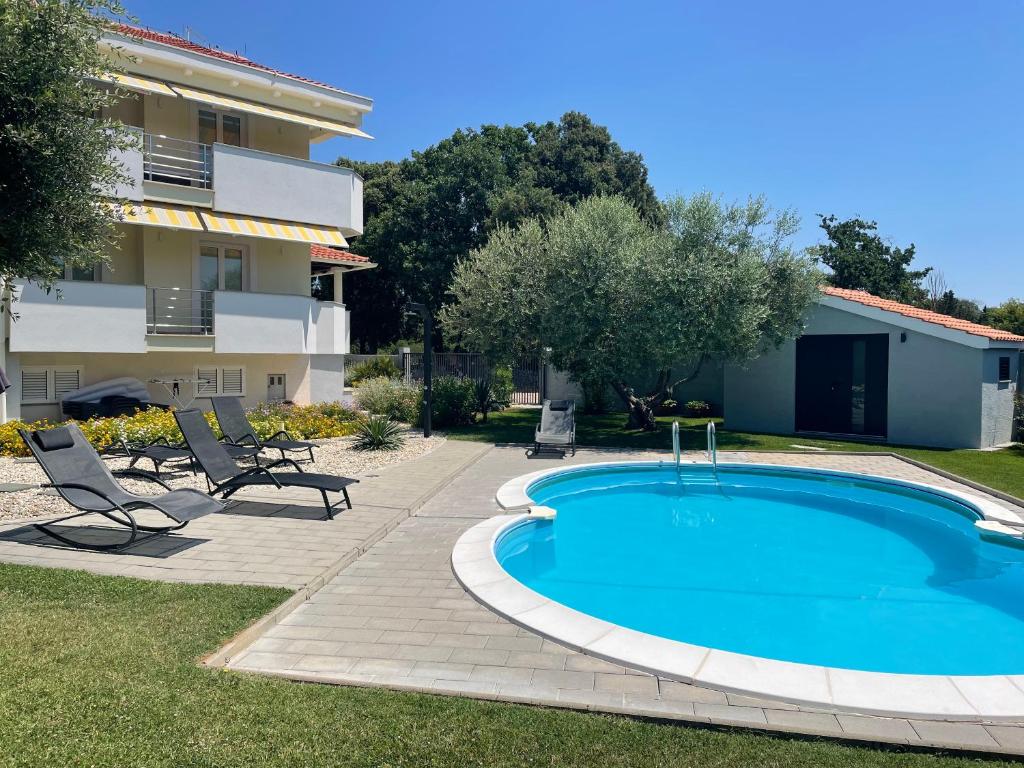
(798, 566)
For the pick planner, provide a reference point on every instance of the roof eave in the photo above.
(917, 325)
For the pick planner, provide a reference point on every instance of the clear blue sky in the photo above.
(907, 112)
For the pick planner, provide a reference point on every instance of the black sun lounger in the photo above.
(81, 478)
(237, 429)
(161, 451)
(225, 476)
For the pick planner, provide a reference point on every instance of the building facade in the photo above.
(225, 219)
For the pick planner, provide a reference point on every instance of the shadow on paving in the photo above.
(158, 546)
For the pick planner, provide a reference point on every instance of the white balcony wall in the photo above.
(246, 181)
(131, 162)
(254, 323)
(87, 317)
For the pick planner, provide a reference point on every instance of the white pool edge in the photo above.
(989, 698)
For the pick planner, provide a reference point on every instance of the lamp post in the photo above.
(428, 363)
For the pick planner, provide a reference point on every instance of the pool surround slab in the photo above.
(978, 698)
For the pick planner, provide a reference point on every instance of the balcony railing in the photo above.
(179, 311)
(176, 161)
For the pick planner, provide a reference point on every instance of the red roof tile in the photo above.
(870, 300)
(323, 253)
(167, 38)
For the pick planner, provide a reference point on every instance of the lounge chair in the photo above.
(557, 428)
(238, 431)
(225, 476)
(81, 478)
(160, 451)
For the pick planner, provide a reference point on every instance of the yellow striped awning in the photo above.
(138, 83)
(228, 224)
(230, 102)
(160, 215)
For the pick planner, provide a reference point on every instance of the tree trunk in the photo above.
(641, 409)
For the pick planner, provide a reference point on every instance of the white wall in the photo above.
(131, 163)
(326, 378)
(247, 323)
(88, 317)
(273, 186)
(997, 397)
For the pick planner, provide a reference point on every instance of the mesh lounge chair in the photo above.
(225, 476)
(160, 451)
(237, 429)
(81, 478)
(557, 428)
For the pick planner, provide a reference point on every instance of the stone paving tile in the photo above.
(435, 636)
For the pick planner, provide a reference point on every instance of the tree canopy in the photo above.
(619, 302)
(860, 259)
(56, 157)
(1008, 316)
(425, 213)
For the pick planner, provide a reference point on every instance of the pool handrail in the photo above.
(712, 451)
(675, 443)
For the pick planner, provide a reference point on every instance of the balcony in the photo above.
(179, 311)
(243, 181)
(88, 317)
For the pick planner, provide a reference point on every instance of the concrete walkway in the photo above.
(268, 536)
(396, 617)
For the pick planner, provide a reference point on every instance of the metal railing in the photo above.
(675, 443)
(176, 161)
(713, 447)
(179, 311)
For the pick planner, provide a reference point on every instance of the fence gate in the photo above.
(527, 381)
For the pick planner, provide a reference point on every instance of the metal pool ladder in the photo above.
(712, 452)
(675, 443)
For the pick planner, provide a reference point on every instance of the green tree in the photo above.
(56, 157)
(1008, 316)
(860, 259)
(619, 302)
(425, 213)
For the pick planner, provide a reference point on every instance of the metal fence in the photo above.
(527, 373)
(179, 311)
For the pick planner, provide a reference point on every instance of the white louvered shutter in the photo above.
(207, 381)
(231, 381)
(65, 380)
(34, 386)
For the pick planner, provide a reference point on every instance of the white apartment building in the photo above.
(226, 220)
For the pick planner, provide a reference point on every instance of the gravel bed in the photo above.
(333, 457)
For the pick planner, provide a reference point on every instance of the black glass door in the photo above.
(842, 384)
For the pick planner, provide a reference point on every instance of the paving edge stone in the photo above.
(239, 643)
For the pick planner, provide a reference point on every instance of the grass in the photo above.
(1003, 470)
(101, 671)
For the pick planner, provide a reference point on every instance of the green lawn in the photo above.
(101, 671)
(1003, 470)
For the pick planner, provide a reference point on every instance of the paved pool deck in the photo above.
(378, 605)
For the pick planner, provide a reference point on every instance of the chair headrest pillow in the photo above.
(53, 439)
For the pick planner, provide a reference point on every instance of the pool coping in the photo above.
(975, 698)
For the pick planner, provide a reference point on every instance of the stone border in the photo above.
(978, 698)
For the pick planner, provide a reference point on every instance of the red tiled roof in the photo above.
(323, 253)
(870, 300)
(168, 38)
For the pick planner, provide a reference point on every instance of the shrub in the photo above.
(453, 403)
(378, 432)
(502, 386)
(483, 396)
(385, 396)
(380, 366)
(667, 408)
(698, 408)
(303, 422)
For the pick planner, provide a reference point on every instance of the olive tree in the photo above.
(57, 158)
(618, 302)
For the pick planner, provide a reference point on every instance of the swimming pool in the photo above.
(783, 570)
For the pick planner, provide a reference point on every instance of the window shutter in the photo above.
(207, 381)
(34, 386)
(1004, 368)
(231, 381)
(65, 381)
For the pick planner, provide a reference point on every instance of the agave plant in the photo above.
(483, 394)
(379, 433)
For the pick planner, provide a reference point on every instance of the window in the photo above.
(49, 384)
(213, 126)
(212, 382)
(1004, 368)
(222, 267)
(82, 274)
